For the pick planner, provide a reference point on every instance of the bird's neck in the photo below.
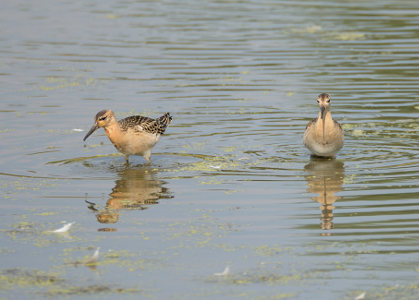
(324, 123)
(113, 131)
(327, 115)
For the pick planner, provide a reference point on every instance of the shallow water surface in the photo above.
(232, 205)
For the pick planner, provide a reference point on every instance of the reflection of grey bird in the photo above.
(323, 135)
(134, 135)
(325, 178)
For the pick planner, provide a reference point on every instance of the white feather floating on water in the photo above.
(215, 167)
(224, 273)
(94, 257)
(243, 158)
(360, 296)
(63, 229)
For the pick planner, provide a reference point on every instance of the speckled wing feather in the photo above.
(140, 123)
(336, 123)
(162, 122)
(311, 122)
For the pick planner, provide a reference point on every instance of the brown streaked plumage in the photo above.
(134, 135)
(323, 135)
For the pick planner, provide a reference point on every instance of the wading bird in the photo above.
(134, 135)
(323, 135)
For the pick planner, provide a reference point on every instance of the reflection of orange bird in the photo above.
(325, 178)
(135, 189)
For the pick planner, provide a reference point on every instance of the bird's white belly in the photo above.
(324, 149)
(138, 144)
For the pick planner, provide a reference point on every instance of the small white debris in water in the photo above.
(94, 257)
(360, 296)
(215, 167)
(224, 273)
(77, 130)
(244, 158)
(63, 229)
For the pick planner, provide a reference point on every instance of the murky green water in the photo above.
(230, 184)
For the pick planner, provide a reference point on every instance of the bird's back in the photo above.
(149, 125)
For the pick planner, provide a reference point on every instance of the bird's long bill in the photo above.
(94, 127)
(323, 115)
(322, 109)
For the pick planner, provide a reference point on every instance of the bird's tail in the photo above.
(163, 121)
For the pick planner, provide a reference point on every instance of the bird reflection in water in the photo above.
(135, 189)
(325, 178)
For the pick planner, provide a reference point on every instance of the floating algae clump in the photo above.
(11, 278)
(88, 290)
(52, 284)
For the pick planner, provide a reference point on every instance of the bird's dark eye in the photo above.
(318, 101)
(102, 118)
(328, 101)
